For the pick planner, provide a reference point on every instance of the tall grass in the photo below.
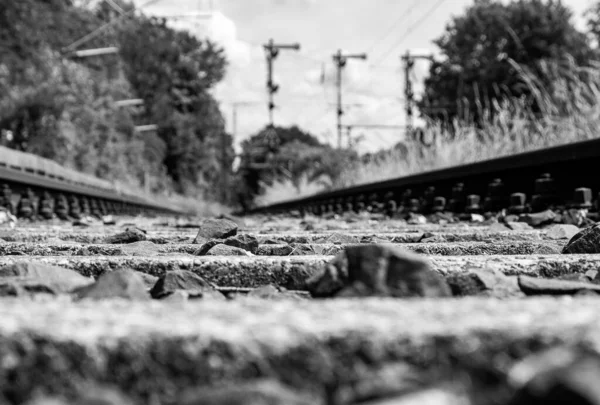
(569, 111)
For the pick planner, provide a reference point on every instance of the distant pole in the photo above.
(225, 168)
(272, 50)
(234, 120)
(409, 63)
(340, 61)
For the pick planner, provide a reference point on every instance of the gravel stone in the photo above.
(544, 286)
(291, 271)
(215, 229)
(378, 270)
(243, 241)
(538, 218)
(488, 282)
(562, 231)
(206, 246)
(31, 276)
(125, 283)
(179, 280)
(585, 241)
(129, 235)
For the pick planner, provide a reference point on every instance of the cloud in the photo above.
(302, 100)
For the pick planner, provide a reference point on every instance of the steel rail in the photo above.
(27, 178)
(571, 166)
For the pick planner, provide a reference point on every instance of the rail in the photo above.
(550, 175)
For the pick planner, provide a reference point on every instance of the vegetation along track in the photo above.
(532, 181)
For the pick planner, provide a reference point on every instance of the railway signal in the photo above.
(409, 63)
(340, 61)
(272, 50)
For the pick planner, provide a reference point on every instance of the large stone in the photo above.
(562, 231)
(538, 218)
(225, 250)
(215, 229)
(179, 280)
(381, 270)
(129, 235)
(244, 241)
(125, 283)
(557, 376)
(261, 392)
(586, 241)
(40, 277)
(547, 286)
(489, 282)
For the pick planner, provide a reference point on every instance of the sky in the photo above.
(372, 89)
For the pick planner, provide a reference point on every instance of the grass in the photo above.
(570, 112)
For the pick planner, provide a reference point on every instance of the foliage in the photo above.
(485, 48)
(287, 154)
(63, 108)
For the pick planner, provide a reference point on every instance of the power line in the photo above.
(103, 27)
(398, 21)
(410, 29)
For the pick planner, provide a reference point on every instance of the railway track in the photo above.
(337, 308)
(562, 176)
(153, 310)
(32, 187)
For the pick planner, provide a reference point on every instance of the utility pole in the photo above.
(272, 50)
(409, 63)
(340, 61)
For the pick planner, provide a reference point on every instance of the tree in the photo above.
(287, 154)
(61, 107)
(484, 48)
(173, 72)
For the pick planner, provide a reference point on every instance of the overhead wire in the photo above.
(406, 13)
(102, 28)
(394, 24)
(410, 29)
